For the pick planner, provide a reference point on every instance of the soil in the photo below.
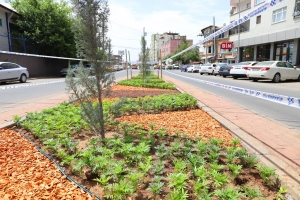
(24, 171)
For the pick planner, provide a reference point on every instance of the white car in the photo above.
(217, 68)
(13, 72)
(193, 68)
(239, 70)
(207, 69)
(274, 70)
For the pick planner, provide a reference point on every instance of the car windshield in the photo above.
(206, 65)
(268, 63)
(243, 63)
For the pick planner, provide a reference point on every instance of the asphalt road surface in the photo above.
(283, 114)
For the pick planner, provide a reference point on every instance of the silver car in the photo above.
(13, 72)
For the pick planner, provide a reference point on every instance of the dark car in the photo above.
(74, 67)
(184, 68)
(225, 70)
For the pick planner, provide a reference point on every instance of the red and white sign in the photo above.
(247, 56)
(226, 45)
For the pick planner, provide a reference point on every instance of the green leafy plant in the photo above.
(267, 173)
(103, 179)
(155, 188)
(17, 119)
(119, 191)
(235, 169)
(180, 165)
(280, 193)
(229, 193)
(220, 179)
(250, 192)
(177, 180)
(178, 194)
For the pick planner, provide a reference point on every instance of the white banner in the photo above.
(253, 13)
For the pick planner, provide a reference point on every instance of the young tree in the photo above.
(144, 56)
(92, 45)
(48, 23)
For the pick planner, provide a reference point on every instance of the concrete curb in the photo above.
(265, 155)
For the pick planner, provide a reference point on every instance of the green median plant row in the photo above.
(135, 160)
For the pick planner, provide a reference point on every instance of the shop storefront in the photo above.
(247, 53)
(263, 52)
(284, 51)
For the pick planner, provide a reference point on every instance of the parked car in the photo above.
(117, 67)
(193, 68)
(134, 67)
(74, 68)
(225, 70)
(273, 70)
(217, 68)
(239, 70)
(13, 72)
(184, 68)
(156, 67)
(207, 69)
(175, 66)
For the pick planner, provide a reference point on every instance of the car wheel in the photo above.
(255, 80)
(201, 73)
(298, 78)
(276, 78)
(23, 78)
(224, 76)
(234, 77)
(212, 73)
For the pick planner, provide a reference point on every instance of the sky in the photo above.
(186, 17)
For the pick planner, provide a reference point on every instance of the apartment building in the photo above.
(221, 55)
(165, 44)
(273, 35)
(7, 16)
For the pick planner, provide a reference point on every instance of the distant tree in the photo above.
(144, 56)
(94, 46)
(48, 23)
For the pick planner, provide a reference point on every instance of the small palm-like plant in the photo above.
(156, 188)
(216, 166)
(135, 178)
(280, 193)
(200, 172)
(158, 168)
(103, 179)
(119, 191)
(235, 169)
(250, 192)
(266, 173)
(178, 194)
(196, 160)
(235, 142)
(250, 161)
(228, 193)
(177, 180)
(179, 165)
(219, 178)
(200, 185)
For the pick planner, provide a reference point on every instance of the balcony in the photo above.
(236, 2)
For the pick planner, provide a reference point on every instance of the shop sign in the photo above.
(226, 45)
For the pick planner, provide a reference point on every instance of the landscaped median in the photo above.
(158, 145)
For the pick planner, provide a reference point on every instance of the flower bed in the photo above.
(151, 151)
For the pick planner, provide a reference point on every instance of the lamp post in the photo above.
(238, 49)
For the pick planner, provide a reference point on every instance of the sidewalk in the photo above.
(273, 143)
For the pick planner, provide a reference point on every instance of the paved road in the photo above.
(283, 114)
(16, 94)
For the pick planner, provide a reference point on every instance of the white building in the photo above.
(6, 17)
(273, 35)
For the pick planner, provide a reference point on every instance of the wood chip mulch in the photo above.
(25, 173)
(194, 123)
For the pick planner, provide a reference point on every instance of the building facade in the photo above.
(273, 35)
(7, 17)
(165, 44)
(212, 54)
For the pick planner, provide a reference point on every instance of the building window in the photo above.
(209, 49)
(248, 5)
(258, 19)
(284, 51)
(258, 1)
(297, 8)
(263, 52)
(279, 15)
(0, 22)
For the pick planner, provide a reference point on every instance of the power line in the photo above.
(127, 47)
(123, 38)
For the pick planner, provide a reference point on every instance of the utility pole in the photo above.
(126, 64)
(160, 58)
(214, 39)
(130, 65)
